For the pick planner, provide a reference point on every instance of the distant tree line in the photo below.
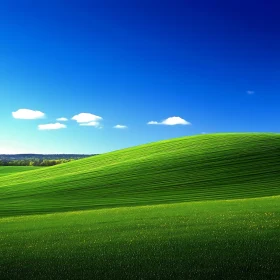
(38, 159)
(35, 162)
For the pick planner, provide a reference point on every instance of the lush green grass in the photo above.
(222, 166)
(235, 239)
(8, 170)
(205, 207)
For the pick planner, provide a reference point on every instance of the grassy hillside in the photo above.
(205, 207)
(198, 168)
(235, 239)
(8, 170)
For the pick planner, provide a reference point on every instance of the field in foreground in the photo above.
(205, 207)
(235, 239)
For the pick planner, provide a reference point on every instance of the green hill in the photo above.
(198, 168)
(204, 207)
(8, 170)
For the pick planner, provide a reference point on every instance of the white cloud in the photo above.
(175, 121)
(86, 118)
(62, 119)
(119, 126)
(95, 124)
(171, 121)
(250, 92)
(153, 122)
(27, 114)
(51, 126)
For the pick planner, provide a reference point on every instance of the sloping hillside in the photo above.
(198, 168)
(8, 170)
(191, 226)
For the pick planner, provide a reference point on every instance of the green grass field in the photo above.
(201, 207)
(8, 170)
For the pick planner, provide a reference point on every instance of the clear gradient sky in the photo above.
(215, 65)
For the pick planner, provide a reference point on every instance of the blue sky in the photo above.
(214, 65)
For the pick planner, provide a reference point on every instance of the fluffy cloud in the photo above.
(171, 121)
(119, 126)
(51, 126)
(86, 118)
(62, 119)
(175, 121)
(27, 114)
(95, 124)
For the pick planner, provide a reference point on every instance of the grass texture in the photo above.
(205, 207)
(199, 168)
(8, 170)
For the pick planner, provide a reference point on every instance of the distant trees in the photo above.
(33, 162)
(38, 159)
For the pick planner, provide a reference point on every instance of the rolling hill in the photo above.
(204, 207)
(198, 168)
